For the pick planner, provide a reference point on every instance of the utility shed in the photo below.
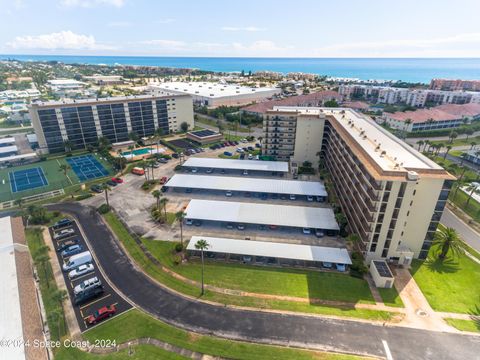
(381, 274)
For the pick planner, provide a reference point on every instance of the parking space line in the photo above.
(114, 304)
(82, 276)
(387, 350)
(93, 302)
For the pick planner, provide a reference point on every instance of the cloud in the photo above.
(260, 46)
(92, 3)
(246, 28)
(119, 24)
(174, 45)
(63, 40)
(455, 45)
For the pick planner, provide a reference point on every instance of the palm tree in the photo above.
(463, 156)
(469, 132)
(54, 317)
(106, 189)
(448, 147)
(158, 135)
(447, 239)
(471, 188)
(453, 136)
(406, 124)
(202, 245)
(180, 215)
(19, 203)
(425, 144)
(150, 164)
(67, 144)
(163, 203)
(420, 143)
(60, 296)
(157, 194)
(472, 144)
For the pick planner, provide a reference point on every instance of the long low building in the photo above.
(232, 164)
(232, 183)
(271, 252)
(262, 214)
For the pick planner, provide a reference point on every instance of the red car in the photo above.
(163, 180)
(117, 180)
(100, 314)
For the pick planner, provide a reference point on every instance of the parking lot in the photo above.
(107, 298)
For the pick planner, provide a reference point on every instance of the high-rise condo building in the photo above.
(392, 195)
(83, 122)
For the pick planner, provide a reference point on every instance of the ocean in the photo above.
(405, 69)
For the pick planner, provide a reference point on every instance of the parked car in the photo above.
(209, 171)
(327, 265)
(138, 171)
(163, 160)
(67, 243)
(117, 180)
(62, 223)
(246, 258)
(248, 194)
(188, 222)
(197, 223)
(194, 171)
(230, 225)
(273, 227)
(257, 145)
(72, 250)
(231, 143)
(227, 153)
(80, 270)
(309, 198)
(96, 188)
(250, 148)
(341, 267)
(250, 157)
(163, 180)
(87, 295)
(85, 285)
(292, 197)
(156, 165)
(77, 260)
(241, 226)
(188, 191)
(111, 183)
(164, 189)
(319, 233)
(236, 142)
(175, 156)
(242, 156)
(306, 231)
(101, 314)
(240, 150)
(244, 141)
(245, 172)
(320, 199)
(62, 234)
(228, 193)
(264, 196)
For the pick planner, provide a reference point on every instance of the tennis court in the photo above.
(22, 180)
(86, 167)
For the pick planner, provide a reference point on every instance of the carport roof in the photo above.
(272, 249)
(232, 183)
(258, 165)
(264, 214)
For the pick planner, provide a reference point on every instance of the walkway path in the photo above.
(418, 311)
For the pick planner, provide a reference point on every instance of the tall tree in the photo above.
(157, 194)
(163, 204)
(202, 245)
(180, 216)
(106, 189)
(448, 147)
(448, 240)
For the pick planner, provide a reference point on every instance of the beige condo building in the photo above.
(392, 196)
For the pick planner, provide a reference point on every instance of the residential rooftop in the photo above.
(212, 90)
(383, 148)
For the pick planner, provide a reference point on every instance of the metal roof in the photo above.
(259, 165)
(272, 249)
(382, 268)
(264, 214)
(7, 140)
(8, 149)
(10, 312)
(235, 183)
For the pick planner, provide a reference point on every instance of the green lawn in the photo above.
(181, 286)
(266, 280)
(140, 352)
(460, 200)
(459, 142)
(390, 297)
(451, 286)
(135, 324)
(464, 325)
(48, 285)
(51, 168)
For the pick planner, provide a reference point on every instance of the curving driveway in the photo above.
(295, 330)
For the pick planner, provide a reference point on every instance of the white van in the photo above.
(77, 260)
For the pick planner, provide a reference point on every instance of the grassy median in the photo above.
(278, 282)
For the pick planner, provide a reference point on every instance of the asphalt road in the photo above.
(470, 236)
(294, 330)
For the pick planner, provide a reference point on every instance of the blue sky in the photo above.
(279, 28)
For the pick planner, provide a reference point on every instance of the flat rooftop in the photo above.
(232, 164)
(7, 140)
(94, 101)
(10, 310)
(8, 149)
(272, 249)
(235, 183)
(263, 214)
(373, 139)
(213, 90)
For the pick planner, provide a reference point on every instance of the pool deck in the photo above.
(135, 157)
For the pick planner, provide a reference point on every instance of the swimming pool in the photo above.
(137, 152)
